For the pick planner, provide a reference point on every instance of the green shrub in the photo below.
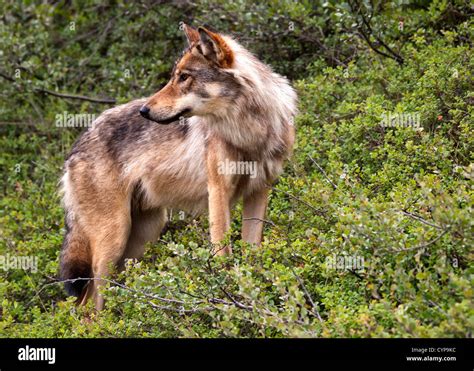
(398, 200)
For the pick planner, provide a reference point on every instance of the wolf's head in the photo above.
(202, 81)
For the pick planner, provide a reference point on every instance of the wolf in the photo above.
(221, 105)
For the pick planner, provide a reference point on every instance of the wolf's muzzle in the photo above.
(145, 112)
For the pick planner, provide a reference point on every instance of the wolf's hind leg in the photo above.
(146, 227)
(107, 246)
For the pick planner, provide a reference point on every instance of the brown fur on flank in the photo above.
(221, 106)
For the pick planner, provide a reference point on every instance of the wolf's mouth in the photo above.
(171, 119)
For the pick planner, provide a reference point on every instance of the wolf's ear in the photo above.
(191, 34)
(214, 48)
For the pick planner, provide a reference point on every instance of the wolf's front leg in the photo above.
(219, 219)
(219, 188)
(255, 206)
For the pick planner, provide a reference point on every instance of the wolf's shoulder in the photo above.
(122, 113)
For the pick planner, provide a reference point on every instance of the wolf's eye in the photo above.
(183, 77)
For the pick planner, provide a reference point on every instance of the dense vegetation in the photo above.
(396, 198)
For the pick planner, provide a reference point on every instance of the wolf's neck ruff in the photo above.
(263, 109)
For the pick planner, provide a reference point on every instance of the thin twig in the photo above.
(324, 173)
(261, 220)
(65, 95)
(420, 219)
(392, 54)
(423, 245)
(79, 97)
(319, 212)
(181, 303)
(315, 308)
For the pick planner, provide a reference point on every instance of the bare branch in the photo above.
(420, 219)
(181, 309)
(79, 97)
(261, 220)
(421, 246)
(315, 307)
(366, 36)
(65, 95)
(318, 211)
(324, 173)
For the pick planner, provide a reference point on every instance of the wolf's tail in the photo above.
(75, 260)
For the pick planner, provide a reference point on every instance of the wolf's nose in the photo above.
(145, 112)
